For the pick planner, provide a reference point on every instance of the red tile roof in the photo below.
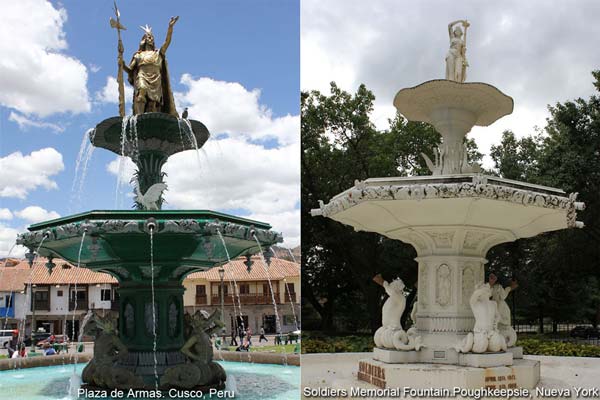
(278, 270)
(16, 277)
(63, 273)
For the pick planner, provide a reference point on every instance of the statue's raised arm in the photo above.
(165, 46)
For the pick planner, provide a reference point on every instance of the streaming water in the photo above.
(21, 323)
(289, 294)
(277, 320)
(236, 292)
(153, 307)
(189, 134)
(292, 302)
(73, 337)
(81, 166)
(129, 148)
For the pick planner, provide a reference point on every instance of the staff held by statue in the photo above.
(118, 26)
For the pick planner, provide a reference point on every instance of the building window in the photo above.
(9, 301)
(244, 288)
(59, 293)
(81, 300)
(288, 320)
(266, 289)
(105, 295)
(201, 294)
(41, 300)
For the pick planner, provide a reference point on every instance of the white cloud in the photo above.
(20, 174)
(228, 107)
(5, 213)
(94, 68)
(25, 123)
(110, 92)
(8, 237)
(36, 76)
(35, 214)
(526, 49)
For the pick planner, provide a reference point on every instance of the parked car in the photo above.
(585, 332)
(58, 339)
(6, 336)
(36, 337)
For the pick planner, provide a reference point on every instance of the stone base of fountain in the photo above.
(523, 374)
(449, 356)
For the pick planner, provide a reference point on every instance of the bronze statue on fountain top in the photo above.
(148, 73)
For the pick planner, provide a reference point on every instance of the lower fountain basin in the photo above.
(253, 381)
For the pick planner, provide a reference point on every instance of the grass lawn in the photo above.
(289, 348)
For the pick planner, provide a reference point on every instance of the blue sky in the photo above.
(234, 63)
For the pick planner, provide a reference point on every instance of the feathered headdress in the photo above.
(147, 29)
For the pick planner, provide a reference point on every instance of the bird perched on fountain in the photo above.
(149, 200)
(184, 114)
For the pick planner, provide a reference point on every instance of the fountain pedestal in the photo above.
(452, 219)
(119, 243)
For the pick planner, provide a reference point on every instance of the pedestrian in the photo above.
(22, 353)
(262, 335)
(13, 344)
(233, 341)
(241, 334)
(249, 335)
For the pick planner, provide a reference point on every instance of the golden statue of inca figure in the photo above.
(149, 75)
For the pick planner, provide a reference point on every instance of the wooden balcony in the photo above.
(81, 305)
(41, 305)
(290, 295)
(247, 299)
(201, 300)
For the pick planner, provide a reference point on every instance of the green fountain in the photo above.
(149, 250)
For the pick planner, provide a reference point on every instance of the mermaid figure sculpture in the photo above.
(391, 335)
(499, 295)
(485, 336)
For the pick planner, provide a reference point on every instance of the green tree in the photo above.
(341, 145)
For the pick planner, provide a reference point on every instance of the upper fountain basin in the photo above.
(457, 214)
(149, 132)
(118, 242)
(442, 102)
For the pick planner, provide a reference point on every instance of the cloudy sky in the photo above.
(539, 52)
(234, 63)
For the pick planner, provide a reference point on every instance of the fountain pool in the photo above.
(253, 381)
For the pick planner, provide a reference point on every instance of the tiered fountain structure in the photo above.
(461, 336)
(150, 250)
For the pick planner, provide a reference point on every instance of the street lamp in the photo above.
(222, 275)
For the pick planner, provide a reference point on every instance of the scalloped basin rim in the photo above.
(145, 214)
(488, 102)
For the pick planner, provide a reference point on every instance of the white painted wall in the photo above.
(22, 304)
(94, 297)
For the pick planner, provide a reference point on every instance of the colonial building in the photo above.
(13, 297)
(254, 306)
(60, 298)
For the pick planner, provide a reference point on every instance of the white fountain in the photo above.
(452, 218)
